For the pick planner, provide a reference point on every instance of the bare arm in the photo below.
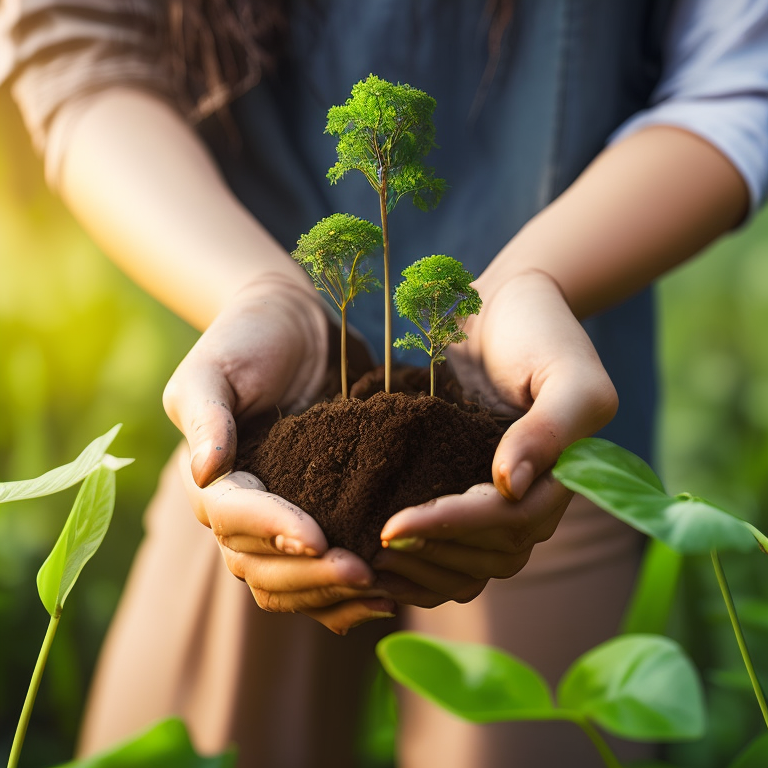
(642, 207)
(144, 186)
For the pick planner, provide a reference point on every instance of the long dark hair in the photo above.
(218, 49)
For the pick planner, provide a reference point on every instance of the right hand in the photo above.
(267, 348)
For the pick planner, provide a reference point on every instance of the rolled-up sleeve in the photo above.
(56, 54)
(714, 83)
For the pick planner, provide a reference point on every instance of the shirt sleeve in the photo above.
(714, 83)
(55, 54)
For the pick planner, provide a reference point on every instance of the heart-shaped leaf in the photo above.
(62, 477)
(473, 681)
(624, 485)
(640, 687)
(165, 745)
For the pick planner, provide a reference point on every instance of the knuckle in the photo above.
(267, 601)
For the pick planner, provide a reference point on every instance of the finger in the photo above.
(344, 616)
(249, 519)
(480, 509)
(476, 562)
(406, 592)
(568, 405)
(199, 401)
(336, 576)
(453, 584)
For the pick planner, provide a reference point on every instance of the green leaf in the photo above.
(62, 477)
(476, 682)
(640, 687)
(378, 732)
(80, 538)
(754, 756)
(624, 485)
(164, 745)
(654, 593)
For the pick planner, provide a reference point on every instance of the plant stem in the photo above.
(610, 760)
(344, 392)
(721, 580)
(387, 297)
(432, 376)
(26, 712)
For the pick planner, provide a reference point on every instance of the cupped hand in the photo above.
(268, 348)
(527, 356)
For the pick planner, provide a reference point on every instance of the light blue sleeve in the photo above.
(714, 83)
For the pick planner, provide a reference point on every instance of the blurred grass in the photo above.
(81, 348)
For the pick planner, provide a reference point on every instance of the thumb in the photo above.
(565, 409)
(199, 401)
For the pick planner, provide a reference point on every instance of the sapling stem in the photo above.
(344, 389)
(34, 685)
(387, 291)
(729, 604)
(601, 745)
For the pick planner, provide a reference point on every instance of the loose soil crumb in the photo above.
(352, 464)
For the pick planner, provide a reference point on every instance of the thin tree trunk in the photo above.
(344, 392)
(387, 297)
(432, 376)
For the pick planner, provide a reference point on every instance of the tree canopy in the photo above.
(334, 253)
(436, 296)
(384, 131)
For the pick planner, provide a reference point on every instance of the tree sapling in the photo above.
(384, 131)
(334, 252)
(436, 296)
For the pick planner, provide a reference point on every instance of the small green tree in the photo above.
(436, 296)
(384, 132)
(334, 253)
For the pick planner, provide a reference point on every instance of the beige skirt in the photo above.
(188, 640)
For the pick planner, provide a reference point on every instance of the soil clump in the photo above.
(351, 464)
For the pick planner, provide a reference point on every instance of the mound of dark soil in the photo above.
(352, 464)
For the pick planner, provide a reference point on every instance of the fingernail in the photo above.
(289, 546)
(521, 479)
(406, 544)
(198, 461)
(373, 615)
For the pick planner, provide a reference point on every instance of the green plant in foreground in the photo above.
(384, 131)
(637, 686)
(165, 744)
(436, 296)
(334, 252)
(640, 687)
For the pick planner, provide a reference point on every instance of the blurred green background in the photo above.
(81, 349)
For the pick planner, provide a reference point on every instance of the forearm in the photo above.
(143, 185)
(642, 207)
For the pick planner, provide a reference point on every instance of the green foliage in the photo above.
(755, 755)
(164, 745)
(475, 682)
(82, 535)
(384, 131)
(436, 296)
(62, 477)
(334, 252)
(655, 589)
(624, 485)
(640, 687)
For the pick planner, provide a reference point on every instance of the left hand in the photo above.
(526, 353)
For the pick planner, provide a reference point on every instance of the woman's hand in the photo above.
(269, 347)
(526, 354)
